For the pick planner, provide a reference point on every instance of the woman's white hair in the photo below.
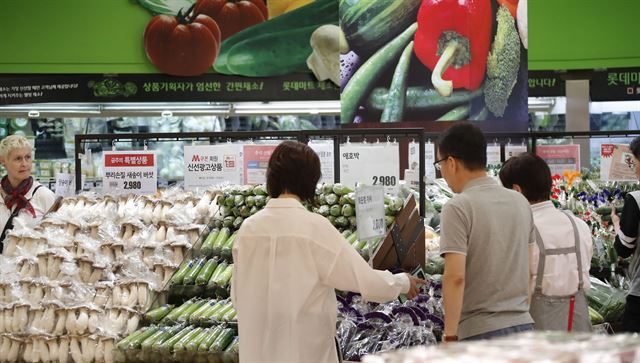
(13, 142)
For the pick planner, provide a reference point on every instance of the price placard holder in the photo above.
(403, 246)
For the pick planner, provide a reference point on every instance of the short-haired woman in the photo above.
(561, 256)
(288, 262)
(21, 194)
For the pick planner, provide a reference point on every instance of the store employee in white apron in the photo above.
(21, 194)
(561, 258)
(288, 262)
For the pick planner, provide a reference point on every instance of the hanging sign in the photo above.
(325, 153)
(207, 165)
(65, 185)
(429, 159)
(256, 159)
(514, 150)
(493, 155)
(370, 164)
(617, 163)
(130, 172)
(370, 212)
(560, 157)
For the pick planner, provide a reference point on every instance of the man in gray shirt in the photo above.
(487, 232)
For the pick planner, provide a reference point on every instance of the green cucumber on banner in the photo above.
(370, 164)
(20, 89)
(209, 165)
(130, 172)
(615, 84)
(434, 60)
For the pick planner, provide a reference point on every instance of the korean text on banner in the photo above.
(325, 153)
(370, 212)
(370, 164)
(130, 172)
(560, 157)
(207, 165)
(256, 160)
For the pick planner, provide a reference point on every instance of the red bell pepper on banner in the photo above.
(233, 15)
(453, 40)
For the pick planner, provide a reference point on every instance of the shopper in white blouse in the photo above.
(288, 262)
(563, 250)
(21, 194)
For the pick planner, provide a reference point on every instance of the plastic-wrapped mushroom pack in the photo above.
(76, 283)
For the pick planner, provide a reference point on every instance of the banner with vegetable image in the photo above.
(434, 60)
(248, 38)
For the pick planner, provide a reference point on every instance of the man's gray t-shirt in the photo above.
(493, 227)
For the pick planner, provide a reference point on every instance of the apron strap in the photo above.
(576, 237)
(541, 261)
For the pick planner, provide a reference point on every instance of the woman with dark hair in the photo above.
(288, 262)
(561, 257)
(627, 226)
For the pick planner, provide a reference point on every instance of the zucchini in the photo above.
(352, 238)
(194, 343)
(221, 312)
(168, 334)
(175, 313)
(394, 107)
(214, 309)
(422, 99)
(190, 310)
(190, 277)
(370, 24)
(158, 314)
(317, 13)
(182, 344)
(234, 346)
(178, 276)
(221, 239)
(365, 77)
(228, 247)
(169, 343)
(211, 337)
(219, 270)
(229, 315)
(207, 271)
(207, 245)
(224, 278)
(606, 211)
(136, 342)
(125, 342)
(458, 113)
(153, 338)
(222, 341)
(198, 314)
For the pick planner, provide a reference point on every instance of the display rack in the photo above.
(305, 136)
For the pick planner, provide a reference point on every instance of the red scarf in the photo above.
(17, 196)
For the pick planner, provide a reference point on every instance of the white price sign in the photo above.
(65, 184)
(429, 159)
(207, 165)
(372, 164)
(493, 155)
(130, 172)
(370, 212)
(325, 153)
(514, 150)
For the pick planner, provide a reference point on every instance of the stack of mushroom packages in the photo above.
(76, 283)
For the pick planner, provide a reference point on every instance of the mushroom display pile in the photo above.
(73, 285)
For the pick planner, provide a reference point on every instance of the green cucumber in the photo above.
(182, 344)
(158, 314)
(370, 24)
(206, 272)
(178, 276)
(606, 211)
(229, 315)
(352, 238)
(272, 54)
(394, 107)
(125, 342)
(190, 310)
(219, 270)
(198, 314)
(223, 236)
(220, 313)
(153, 338)
(169, 343)
(480, 116)
(458, 113)
(190, 277)
(175, 313)
(225, 277)
(194, 343)
(222, 341)
(213, 334)
(136, 342)
(422, 99)
(234, 346)
(168, 334)
(207, 245)
(368, 74)
(214, 309)
(318, 13)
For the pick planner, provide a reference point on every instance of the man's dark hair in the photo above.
(466, 143)
(531, 173)
(635, 147)
(294, 168)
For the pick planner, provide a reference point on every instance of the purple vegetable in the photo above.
(349, 64)
(378, 315)
(436, 320)
(419, 312)
(406, 311)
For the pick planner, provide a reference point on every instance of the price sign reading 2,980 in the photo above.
(130, 172)
(385, 180)
(370, 164)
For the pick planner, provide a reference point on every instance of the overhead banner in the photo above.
(432, 60)
(546, 84)
(560, 157)
(616, 84)
(370, 164)
(208, 165)
(617, 163)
